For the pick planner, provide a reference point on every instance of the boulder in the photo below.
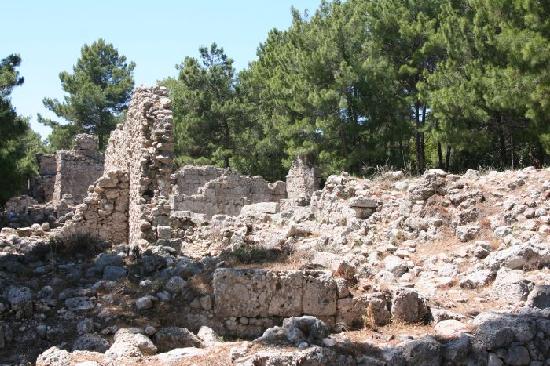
(539, 297)
(131, 343)
(305, 328)
(407, 306)
(169, 338)
(425, 351)
(90, 342)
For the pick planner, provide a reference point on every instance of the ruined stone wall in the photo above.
(226, 194)
(247, 301)
(151, 145)
(188, 179)
(303, 179)
(116, 153)
(77, 169)
(41, 187)
(103, 213)
(130, 201)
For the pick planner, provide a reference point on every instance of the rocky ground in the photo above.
(434, 270)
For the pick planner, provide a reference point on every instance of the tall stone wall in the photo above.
(77, 169)
(130, 201)
(225, 194)
(150, 146)
(303, 179)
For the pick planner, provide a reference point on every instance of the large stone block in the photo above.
(264, 293)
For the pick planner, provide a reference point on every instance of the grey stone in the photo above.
(18, 296)
(145, 302)
(517, 356)
(80, 303)
(305, 328)
(175, 284)
(407, 306)
(90, 342)
(169, 338)
(114, 273)
(425, 351)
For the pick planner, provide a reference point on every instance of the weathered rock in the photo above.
(169, 338)
(305, 328)
(90, 342)
(145, 302)
(450, 328)
(539, 297)
(80, 303)
(407, 306)
(114, 273)
(423, 352)
(175, 284)
(54, 356)
(511, 285)
(130, 343)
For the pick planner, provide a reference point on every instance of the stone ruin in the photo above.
(77, 169)
(63, 180)
(356, 264)
(129, 203)
(303, 179)
(41, 187)
(214, 191)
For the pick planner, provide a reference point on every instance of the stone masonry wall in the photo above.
(226, 194)
(247, 301)
(302, 180)
(151, 147)
(188, 179)
(130, 202)
(77, 169)
(41, 187)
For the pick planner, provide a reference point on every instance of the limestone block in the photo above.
(320, 294)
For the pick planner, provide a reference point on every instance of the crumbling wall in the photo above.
(103, 213)
(41, 187)
(150, 146)
(303, 179)
(77, 169)
(247, 301)
(188, 179)
(130, 201)
(226, 194)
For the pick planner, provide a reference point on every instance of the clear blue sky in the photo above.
(155, 34)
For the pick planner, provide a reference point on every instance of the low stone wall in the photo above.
(226, 194)
(248, 301)
(188, 179)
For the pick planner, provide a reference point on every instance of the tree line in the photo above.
(357, 85)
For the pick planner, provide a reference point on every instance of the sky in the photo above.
(155, 34)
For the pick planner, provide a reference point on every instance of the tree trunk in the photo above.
(439, 156)
(447, 158)
(420, 165)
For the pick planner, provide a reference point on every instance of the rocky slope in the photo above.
(434, 270)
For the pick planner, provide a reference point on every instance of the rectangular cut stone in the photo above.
(262, 293)
(286, 293)
(240, 293)
(320, 294)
